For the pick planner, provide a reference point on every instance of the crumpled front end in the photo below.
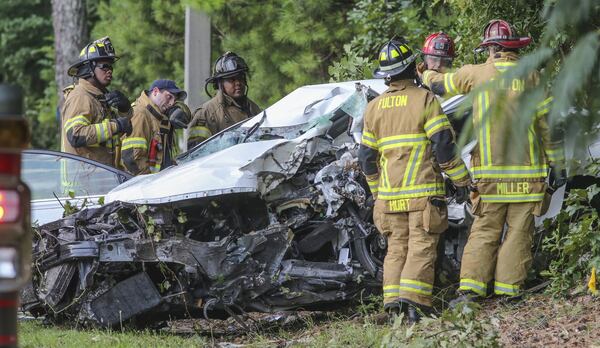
(296, 234)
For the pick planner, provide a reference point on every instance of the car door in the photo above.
(56, 177)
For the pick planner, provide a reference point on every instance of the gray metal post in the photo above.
(197, 58)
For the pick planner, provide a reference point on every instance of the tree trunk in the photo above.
(70, 35)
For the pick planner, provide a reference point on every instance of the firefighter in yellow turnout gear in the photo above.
(229, 106)
(407, 141)
(149, 146)
(89, 127)
(510, 180)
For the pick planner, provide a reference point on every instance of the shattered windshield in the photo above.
(301, 113)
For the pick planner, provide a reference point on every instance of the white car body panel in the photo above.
(47, 210)
(214, 174)
(224, 171)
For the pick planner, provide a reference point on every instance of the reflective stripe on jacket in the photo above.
(151, 128)
(498, 158)
(86, 127)
(403, 128)
(217, 114)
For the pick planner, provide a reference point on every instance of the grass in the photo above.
(35, 334)
(537, 320)
(344, 334)
(335, 332)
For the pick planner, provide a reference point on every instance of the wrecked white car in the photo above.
(270, 214)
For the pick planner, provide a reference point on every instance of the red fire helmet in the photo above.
(439, 44)
(500, 32)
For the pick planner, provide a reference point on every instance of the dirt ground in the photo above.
(540, 321)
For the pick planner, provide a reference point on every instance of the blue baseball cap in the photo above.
(169, 85)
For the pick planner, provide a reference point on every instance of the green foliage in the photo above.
(376, 21)
(144, 214)
(565, 49)
(351, 67)
(292, 43)
(71, 206)
(149, 38)
(370, 304)
(286, 43)
(471, 16)
(182, 217)
(344, 333)
(26, 35)
(572, 69)
(578, 65)
(454, 328)
(75, 205)
(574, 242)
(26, 59)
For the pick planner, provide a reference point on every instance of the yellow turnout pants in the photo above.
(409, 265)
(486, 259)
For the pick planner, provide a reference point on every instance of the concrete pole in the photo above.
(197, 59)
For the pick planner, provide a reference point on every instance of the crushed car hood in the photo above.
(215, 174)
(235, 169)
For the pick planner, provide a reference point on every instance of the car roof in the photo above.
(78, 158)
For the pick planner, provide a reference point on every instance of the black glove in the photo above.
(179, 115)
(557, 177)
(118, 100)
(123, 125)
(462, 194)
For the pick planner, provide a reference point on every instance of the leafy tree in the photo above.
(286, 46)
(569, 50)
(286, 43)
(373, 22)
(573, 242)
(26, 58)
(148, 37)
(352, 66)
(565, 48)
(376, 21)
(469, 17)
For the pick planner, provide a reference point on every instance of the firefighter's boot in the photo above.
(414, 311)
(413, 315)
(393, 308)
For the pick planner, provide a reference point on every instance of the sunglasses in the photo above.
(105, 66)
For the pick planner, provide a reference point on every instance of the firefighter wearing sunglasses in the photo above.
(93, 119)
(231, 103)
